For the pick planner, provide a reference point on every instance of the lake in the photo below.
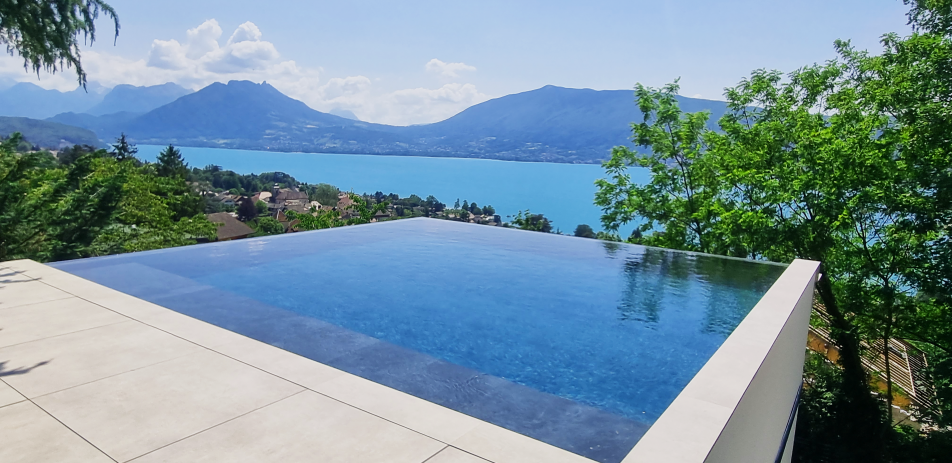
(562, 192)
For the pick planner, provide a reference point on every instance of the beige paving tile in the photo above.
(19, 290)
(53, 318)
(9, 395)
(305, 427)
(85, 356)
(455, 455)
(136, 412)
(32, 436)
(504, 446)
(280, 362)
(415, 413)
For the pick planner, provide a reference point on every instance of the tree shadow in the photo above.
(8, 276)
(19, 370)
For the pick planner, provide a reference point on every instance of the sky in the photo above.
(413, 62)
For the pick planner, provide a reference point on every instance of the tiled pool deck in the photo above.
(89, 374)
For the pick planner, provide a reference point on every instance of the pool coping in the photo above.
(692, 429)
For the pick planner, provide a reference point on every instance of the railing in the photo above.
(789, 428)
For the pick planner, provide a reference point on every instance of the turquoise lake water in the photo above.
(563, 192)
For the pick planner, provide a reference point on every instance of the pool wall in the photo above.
(738, 407)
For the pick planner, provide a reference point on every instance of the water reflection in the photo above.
(655, 279)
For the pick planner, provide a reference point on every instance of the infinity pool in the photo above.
(576, 342)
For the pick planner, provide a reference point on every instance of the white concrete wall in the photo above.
(737, 407)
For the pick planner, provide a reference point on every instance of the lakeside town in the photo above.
(242, 216)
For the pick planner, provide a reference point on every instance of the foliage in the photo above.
(170, 163)
(268, 226)
(122, 150)
(532, 222)
(246, 209)
(261, 207)
(95, 205)
(846, 163)
(360, 212)
(70, 154)
(584, 231)
(45, 33)
(324, 194)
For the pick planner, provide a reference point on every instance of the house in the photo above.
(230, 228)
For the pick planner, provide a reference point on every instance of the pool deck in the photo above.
(89, 374)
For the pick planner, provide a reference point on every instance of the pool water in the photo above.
(576, 342)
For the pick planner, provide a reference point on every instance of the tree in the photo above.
(246, 209)
(324, 194)
(268, 226)
(533, 222)
(170, 163)
(489, 210)
(584, 231)
(45, 33)
(465, 206)
(123, 150)
(844, 163)
(474, 209)
(70, 154)
(456, 205)
(261, 207)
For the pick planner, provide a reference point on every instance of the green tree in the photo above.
(170, 163)
(489, 210)
(533, 222)
(122, 150)
(845, 163)
(69, 155)
(268, 226)
(324, 194)
(45, 33)
(584, 231)
(456, 204)
(246, 209)
(261, 207)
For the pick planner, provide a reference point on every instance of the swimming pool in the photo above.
(575, 342)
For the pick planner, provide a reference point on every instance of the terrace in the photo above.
(408, 341)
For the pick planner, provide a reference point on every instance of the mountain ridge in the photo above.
(551, 124)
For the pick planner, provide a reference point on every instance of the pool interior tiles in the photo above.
(244, 287)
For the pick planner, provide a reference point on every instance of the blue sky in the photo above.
(420, 61)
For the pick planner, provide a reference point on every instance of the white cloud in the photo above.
(202, 59)
(450, 70)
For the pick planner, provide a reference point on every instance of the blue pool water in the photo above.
(576, 342)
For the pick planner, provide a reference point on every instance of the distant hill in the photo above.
(29, 100)
(131, 99)
(551, 124)
(47, 134)
(345, 113)
(107, 127)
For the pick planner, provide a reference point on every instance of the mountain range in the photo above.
(551, 123)
(29, 100)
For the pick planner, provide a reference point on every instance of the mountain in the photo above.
(131, 99)
(47, 134)
(552, 124)
(29, 100)
(345, 113)
(108, 127)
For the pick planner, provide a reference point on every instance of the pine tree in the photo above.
(171, 164)
(123, 150)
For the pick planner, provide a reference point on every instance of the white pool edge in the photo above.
(737, 407)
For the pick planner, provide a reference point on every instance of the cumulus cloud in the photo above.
(201, 59)
(450, 70)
